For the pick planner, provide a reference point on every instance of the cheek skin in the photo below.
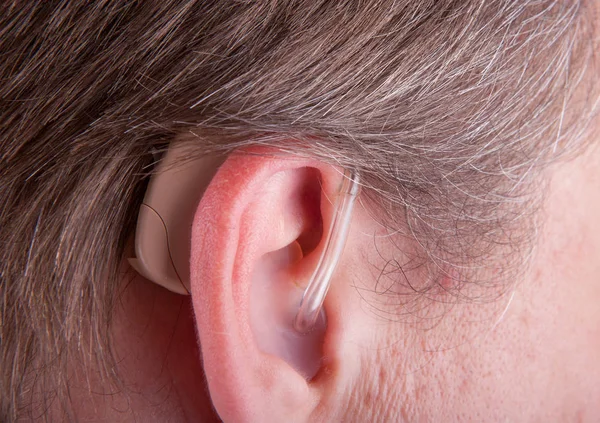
(539, 362)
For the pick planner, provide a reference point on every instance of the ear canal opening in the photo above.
(312, 234)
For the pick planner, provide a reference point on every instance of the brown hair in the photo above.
(449, 109)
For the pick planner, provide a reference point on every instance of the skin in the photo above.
(531, 355)
(536, 360)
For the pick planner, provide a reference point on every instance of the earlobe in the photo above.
(256, 240)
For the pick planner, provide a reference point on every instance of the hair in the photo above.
(450, 110)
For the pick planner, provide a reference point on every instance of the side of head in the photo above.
(452, 112)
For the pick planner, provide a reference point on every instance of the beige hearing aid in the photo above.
(163, 232)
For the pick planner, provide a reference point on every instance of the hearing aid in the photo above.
(163, 231)
(318, 285)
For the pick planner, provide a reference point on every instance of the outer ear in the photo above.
(256, 239)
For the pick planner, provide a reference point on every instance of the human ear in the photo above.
(256, 239)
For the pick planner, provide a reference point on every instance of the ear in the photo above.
(256, 239)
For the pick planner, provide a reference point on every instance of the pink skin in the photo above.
(529, 357)
(532, 356)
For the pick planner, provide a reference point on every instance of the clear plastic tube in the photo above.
(314, 295)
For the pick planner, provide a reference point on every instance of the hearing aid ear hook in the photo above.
(316, 291)
(163, 232)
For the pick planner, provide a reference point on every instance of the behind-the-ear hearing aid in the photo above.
(163, 232)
